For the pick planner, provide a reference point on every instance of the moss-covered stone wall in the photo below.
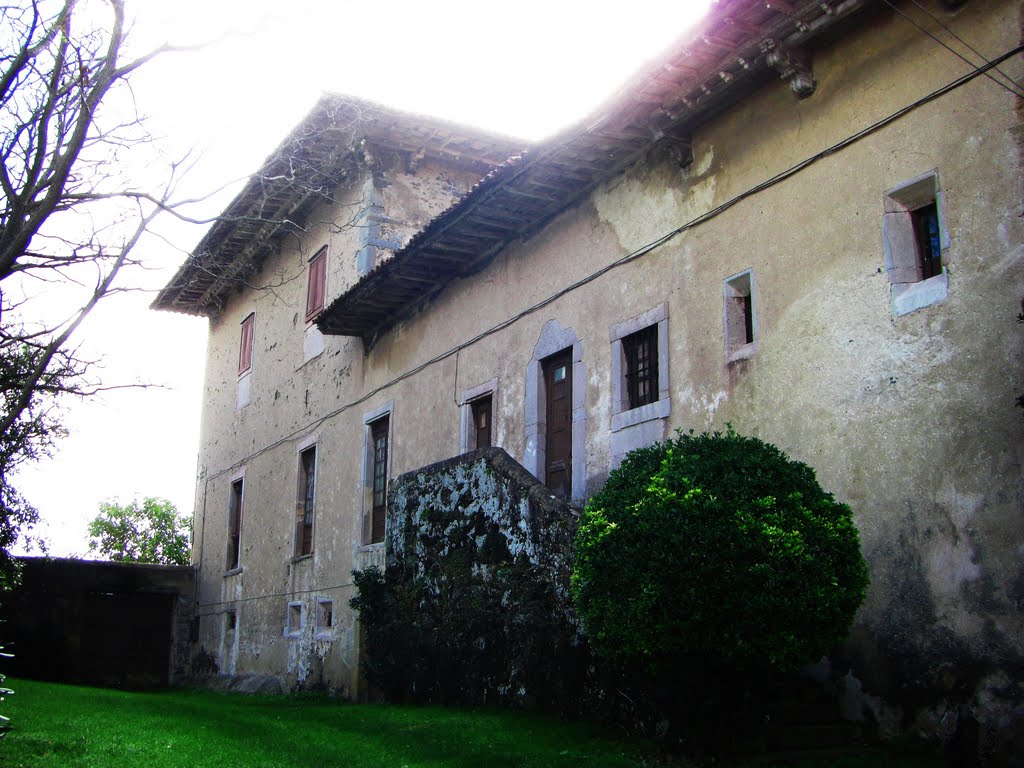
(473, 606)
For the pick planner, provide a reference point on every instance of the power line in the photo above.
(970, 47)
(628, 258)
(267, 597)
(642, 251)
(1016, 90)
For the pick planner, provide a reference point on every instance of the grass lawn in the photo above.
(75, 727)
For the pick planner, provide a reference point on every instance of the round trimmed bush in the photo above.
(716, 548)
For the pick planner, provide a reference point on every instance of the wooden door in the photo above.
(558, 442)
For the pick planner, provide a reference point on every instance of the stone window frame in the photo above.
(553, 339)
(324, 631)
(386, 410)
(238, 476)
(294, 618)
(312, 442)
(735, 288)
(908, 291)
(622, 415)
(466, 425)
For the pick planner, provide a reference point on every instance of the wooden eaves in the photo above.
(320, 155)
(738, 45)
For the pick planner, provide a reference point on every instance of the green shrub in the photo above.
(715, 549)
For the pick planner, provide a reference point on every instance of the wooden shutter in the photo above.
(245, 344)
(316, 289)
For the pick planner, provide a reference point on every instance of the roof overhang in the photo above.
(739, 44)
(320, 155)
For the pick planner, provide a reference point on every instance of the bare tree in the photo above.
(69, 217)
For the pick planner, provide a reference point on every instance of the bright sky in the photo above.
(525, 69)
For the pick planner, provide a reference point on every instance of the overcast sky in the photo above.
(524, 70)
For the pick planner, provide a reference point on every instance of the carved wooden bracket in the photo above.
(792, 64)
(678, 143)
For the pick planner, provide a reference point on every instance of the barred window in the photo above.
(641, 351)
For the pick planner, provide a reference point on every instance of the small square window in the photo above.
(324, 616)
(739, 313)
(231, 621)
(293, 620)
(914, 239)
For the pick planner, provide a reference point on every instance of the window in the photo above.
(230, 621)
(293, 620)
(376, 471)
(640, 391)
(926, 231)
(640, 368)
(481, 410)
(641, 351)
(245, 344)
(235, 525)
(740, 322)
(307, 497)
(476, 417)
(324, 617)
(914, 239)
(379, 440)
(316, 288)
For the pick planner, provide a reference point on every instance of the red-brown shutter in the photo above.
(245, 344)
(317, 287)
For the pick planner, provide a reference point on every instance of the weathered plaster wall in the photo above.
(909, 419)
(292, 385)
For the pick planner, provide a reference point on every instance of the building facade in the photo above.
(804, 219)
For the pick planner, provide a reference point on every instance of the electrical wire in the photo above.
(1016, 90)
(627, 259)
(267, 597)
(969, 47)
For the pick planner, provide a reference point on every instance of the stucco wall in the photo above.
(909, 419)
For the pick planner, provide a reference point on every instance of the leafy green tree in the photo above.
(150, 532)
(715, 550)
